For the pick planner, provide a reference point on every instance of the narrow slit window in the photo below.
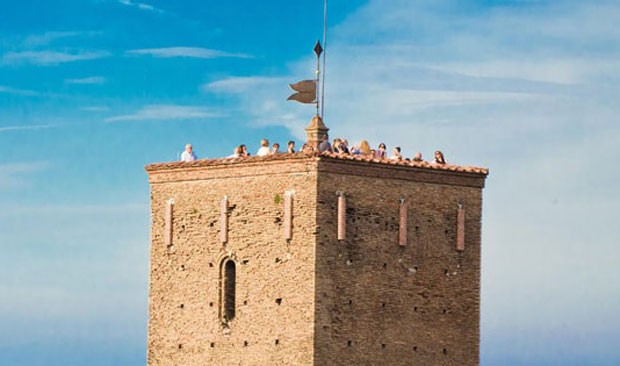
(229, 278)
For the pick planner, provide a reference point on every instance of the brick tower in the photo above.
(308, 259)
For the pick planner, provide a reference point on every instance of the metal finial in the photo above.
(318, 50)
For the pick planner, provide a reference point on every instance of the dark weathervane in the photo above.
(307, 91)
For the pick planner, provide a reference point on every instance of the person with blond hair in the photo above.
(264, 148)
(364, 148)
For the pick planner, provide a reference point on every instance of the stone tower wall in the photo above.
(315, 300)
(382, 304)
(185, 326)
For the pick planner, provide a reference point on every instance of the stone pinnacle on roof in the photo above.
(315, 132)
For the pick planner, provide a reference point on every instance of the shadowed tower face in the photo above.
(307, 259)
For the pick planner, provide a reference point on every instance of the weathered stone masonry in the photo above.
(303, 296)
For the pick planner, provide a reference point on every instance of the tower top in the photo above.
(316, 131)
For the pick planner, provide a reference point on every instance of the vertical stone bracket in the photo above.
(342, 215)
(168, 219)
(402, 224)
(288, 215)
(460, 229)
(224, 220)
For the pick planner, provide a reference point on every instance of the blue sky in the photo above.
(91, 91)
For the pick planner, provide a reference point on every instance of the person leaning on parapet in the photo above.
(325, 145)
(380, 153)
(364, 148)
(275, 148)
(417, 157)
(244, 151)
(290, 147)
(238, 152)
(439, 159)
(344, 146)
(188, 155)
(306, 148)
(396, 155)
(264, 148)
(336, 146)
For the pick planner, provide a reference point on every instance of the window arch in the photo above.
(228, 290)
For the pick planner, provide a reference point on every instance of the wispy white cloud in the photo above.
(95, 108)
(49, 58)
(141, 6)
(21, 128)
(86, 209)
(10, 90)
(88, 80)
(166, 112)
(193, 52)
(557, 70)
(37, 40)
(16, 175)
(242, 84)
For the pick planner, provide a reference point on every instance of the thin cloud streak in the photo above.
(21, 128)
(46, 38)
(50, 58)
(165, 112)
(98, 80)
(239, 84)
(141, 6)
(10, 90)
(52, 209)
(95, 108)
(191, 52)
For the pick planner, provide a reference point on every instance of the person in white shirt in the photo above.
(396, 155)
(264, 148)
(188, 155)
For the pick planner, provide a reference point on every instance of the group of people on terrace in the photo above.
(337, 146)
(341, 146)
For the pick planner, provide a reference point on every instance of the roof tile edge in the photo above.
(302, 155)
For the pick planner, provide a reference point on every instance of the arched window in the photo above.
(229, 276)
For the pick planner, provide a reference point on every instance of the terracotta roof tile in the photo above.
(325, 155)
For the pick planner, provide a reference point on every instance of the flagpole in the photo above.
(324, 53)
(318, 73)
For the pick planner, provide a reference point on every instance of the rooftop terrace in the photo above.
(424, 165)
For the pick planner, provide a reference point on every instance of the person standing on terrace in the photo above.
(188, 155)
